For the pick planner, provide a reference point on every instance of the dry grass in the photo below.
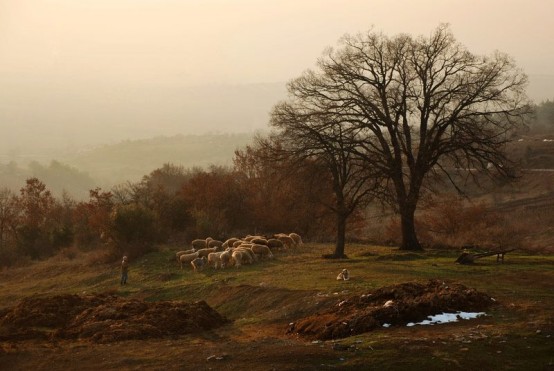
(262, 299)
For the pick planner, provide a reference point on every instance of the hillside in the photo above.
(269, 305)
(111, 164)
(131, 160)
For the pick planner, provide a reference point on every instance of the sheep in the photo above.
(198, 244)
(225, 258)
(199, 263)
(274, 243)
(183, 252)
(205, 252)
(236, 258)
(187, 258)
(262, 250)
(240, 257)
(215, 260)
(343, 275)
(229, 242)
(219, 259)
(297, 239)
(248, 250)
(216, 244)
(237, 243)
(249, 238)
(259, 241)
(287, 241)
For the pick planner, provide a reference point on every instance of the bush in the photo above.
(451, 221)
(132, 230)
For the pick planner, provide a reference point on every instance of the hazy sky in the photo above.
(75, 66)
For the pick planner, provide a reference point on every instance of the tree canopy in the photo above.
(411, 107)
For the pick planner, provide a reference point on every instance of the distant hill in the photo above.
(62, 121)
(132, 159)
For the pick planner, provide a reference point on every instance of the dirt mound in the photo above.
(104, 318)
(393, 305)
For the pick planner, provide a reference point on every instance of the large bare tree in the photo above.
(414, 107)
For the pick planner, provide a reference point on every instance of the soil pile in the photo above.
(104, 318)
(393, 305)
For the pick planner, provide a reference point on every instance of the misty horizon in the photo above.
(80, 74)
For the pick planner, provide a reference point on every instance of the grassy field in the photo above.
(262, 299)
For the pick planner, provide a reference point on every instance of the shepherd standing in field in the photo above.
(124, 270)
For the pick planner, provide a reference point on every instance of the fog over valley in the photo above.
(80, 79)
(38, 126)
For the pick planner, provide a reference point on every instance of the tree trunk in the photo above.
(409, 236)
(341, 237)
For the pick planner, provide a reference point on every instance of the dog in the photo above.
(343, 275)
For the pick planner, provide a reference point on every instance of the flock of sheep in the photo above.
(234, 251)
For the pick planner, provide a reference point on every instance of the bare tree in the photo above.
(9, 214)
(305, 136)
(415, 107)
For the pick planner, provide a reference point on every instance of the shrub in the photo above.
(132, 230)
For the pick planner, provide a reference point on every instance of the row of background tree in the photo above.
(176, 205)
(169, 204)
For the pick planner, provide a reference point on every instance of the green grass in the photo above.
(298, 282)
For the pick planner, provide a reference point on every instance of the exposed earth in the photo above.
(198, 337)
(104, 318)
(391, 305)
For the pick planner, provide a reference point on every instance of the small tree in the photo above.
(279, 194)
(132, 229)
(305, 136)
(91, 219)
(36, 203)
(9, 215)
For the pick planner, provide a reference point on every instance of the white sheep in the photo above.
(262, 250)
(229, 242)
(224, 258)
(182, 252)
(205, 252)
(242, 256)
(198, 244)
(297, 239)
(248, 250)
(287, 241)
(237, 243)
(199, 263)
(218, 259)
(187, 258)
(215, 244)
(250, 237)
(274, 243)
(259, 241)
(236, 258)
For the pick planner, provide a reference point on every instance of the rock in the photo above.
(340, 347)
